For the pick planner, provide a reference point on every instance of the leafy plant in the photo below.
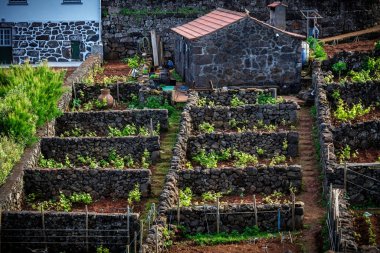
(206, 127)
(211, 196)
(339, 67)
(134, 195)
(167, 234)
(49, 163)
(285, 145)
(329, 79)
(185, 197)
(346, 153)
(102, 249)
(209, 160)
(361, 76)
(274, 198)
(318, 51)
(336, 95)
(224, 155)
(345, 113)
(84, 198)
(243, 159)
(145, 159)
(133, 62)
(264, 98)
(277, 159)
(116, 160)
(260, 151)
(235, 101)
(377, 45)
(101, 104)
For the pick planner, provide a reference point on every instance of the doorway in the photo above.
(5, 45)
(75, 50)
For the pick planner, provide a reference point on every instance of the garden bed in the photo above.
(367, 228)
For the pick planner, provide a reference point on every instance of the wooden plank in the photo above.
(352, 34)
(155, 48)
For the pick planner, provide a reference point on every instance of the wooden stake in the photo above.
(255, 209)
(154, 47)
(86, 229)
(128, 219)
(151, 127)
(345, 177)
(141, 235)
(178, 212)
(135, 242)
(293, 211)
(156, 230)
(217, 215)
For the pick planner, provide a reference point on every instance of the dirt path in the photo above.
(311, 194)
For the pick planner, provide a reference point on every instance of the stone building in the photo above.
(54, 30)
(233, 48)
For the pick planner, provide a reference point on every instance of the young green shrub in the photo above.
(346, 154)
(242, 159)
(84, 198)
(185, 197)
(235, 101)
(339, 67)
(277, 159)
(377, 45)
(134, 196)
(344, 113)
(209, 160)
(206, 127)
(145, 160)
(211, 196)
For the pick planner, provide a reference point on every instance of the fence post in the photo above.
(74, 90)
(279, 219)
(1, 214)
(217, 215)
(293, 211)
(156, 230)
(345, 177)
(86, 228)
(255, 209)
(43, 227)
(135, 242)
(128, 220)
(141, 235)
(178, 212)
(154, 212)
(151, 127)
(117, 92)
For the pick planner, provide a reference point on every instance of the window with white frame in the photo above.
(18, 2)
(72, 2)
(5, 37)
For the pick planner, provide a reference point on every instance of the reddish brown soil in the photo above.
(280, 128)
(69, 71)
(106, 206)
(234, 199)
(373, 115)
(311, 235)
(361, 228)
(366, 156)
(274, 246)
(113, 68)
(360, 46)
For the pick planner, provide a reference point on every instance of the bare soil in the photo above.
(235, 199)
(366, 156)
(360, 46)
(264, 245)
(113, 68)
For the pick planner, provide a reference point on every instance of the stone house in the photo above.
(54, 30)
(231, 48)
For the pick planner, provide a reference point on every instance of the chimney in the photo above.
(277, 11)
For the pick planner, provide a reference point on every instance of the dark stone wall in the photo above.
(121, 33)
(247, 142)
(196, 220)
(98, 147)
(244, 53)
(362, 135)
(100, 121)
(52, 41)
(66, 231)
(224, 97)
(220, 116)
(250, 180)
(99, 183)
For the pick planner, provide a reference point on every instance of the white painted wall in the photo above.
(50, 10)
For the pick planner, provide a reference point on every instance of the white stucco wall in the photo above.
(50, 10)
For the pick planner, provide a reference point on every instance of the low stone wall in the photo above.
(352, 93)
(361, 135)
(98, 147)
(87, 93)
(251, 114)
(99, 121)
(250, 180)
(224, 97)
(236, 217)
(99, 183)
(247, 142)
(66, 231)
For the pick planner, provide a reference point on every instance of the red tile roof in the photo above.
(209, 23)
(217, 20)
(275, 4)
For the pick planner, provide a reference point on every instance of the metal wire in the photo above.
(363, 188)
(374, 179)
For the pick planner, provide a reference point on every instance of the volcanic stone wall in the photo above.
(66, 231)
(98, 147)
(99, 183)
(250, 180)
(99, 121)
